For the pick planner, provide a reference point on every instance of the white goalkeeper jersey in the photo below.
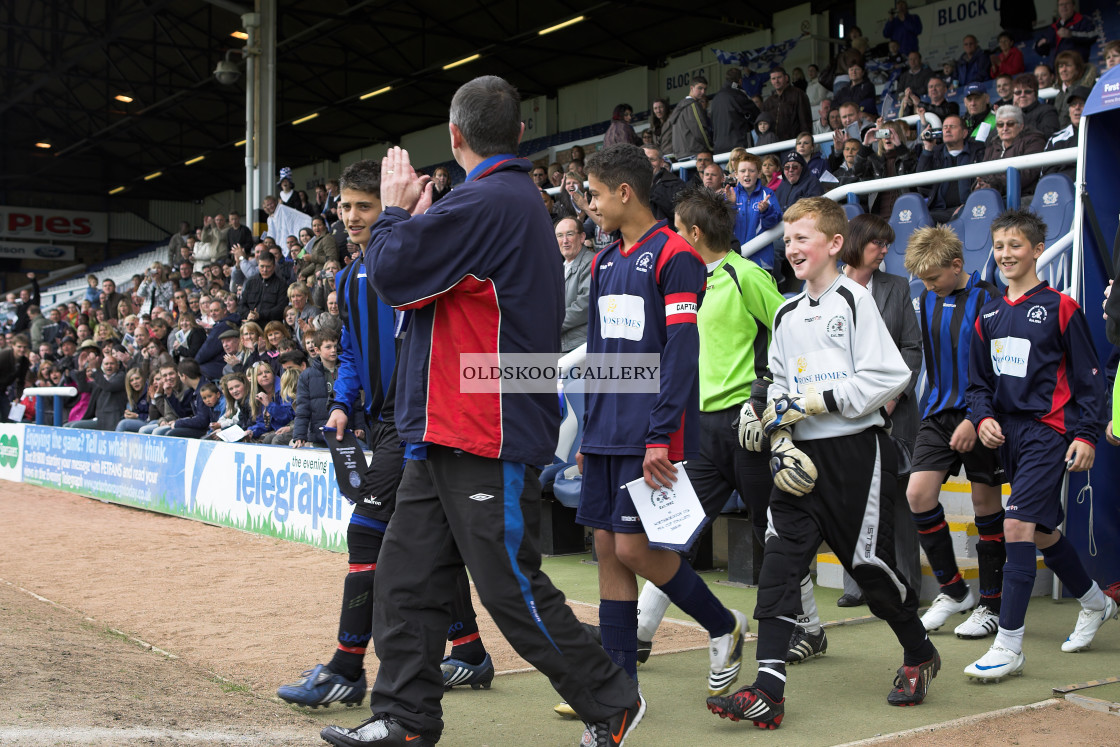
(839, 345)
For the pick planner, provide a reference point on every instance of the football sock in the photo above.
(618, 624)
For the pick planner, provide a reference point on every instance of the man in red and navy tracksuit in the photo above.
(480, 274)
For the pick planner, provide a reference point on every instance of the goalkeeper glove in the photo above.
(792, 470)
(752, 436)
(787, 409)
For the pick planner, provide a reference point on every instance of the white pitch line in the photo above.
(103, 735)
(142, 643)
(954, 724)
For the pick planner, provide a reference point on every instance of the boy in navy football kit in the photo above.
(950, 306)
(645, 292)
(1036, 392)
(367, 359)
(834, 367)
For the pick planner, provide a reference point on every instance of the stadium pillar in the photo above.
(260, 108)
(1093, 511)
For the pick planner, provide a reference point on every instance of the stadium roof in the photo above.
(125, 89)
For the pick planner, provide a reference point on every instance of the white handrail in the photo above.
(572, 358)
(1059, 247)
(785, 145)
(1029, 161)
(50, 391)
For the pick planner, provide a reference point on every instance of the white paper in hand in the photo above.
(16, 411)
(672, 516)
(232, 434)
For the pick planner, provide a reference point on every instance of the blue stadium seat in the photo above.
(571, 427)
(908, 216)
(1053, 202)
(921, 388)
(852, 209)
(973, 226)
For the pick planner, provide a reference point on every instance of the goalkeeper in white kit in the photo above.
(834, 366)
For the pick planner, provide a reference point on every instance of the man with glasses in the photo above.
(577, 283)
(1037, 115)
(540, 177)
(956, 149)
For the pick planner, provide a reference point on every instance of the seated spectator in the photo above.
(568, 200)
(860, 91)
(797, 182)
(915, 79)
(849, 170)
(136, 392)
(815, 89)
(973, 66)
(313, 394)
(1110, 53)
(168, 401)
(1037, 115)
(822, 125)
(1008, 60)
(187, 338)
(55, 375)
(757, 209)
(956, 149)
(1004, 87)
(555, 174)
(211, 355)
(107, 398)
(299, 296)
(1013, 139)
(577, 282)
(814, 162)
(890, 157)
(270, 407)
(620, 130)
(1045, 77)
(264, 297)
(937, 103)
(733, 158)
(1067, 137)
(771, 171)
(979, 119)
(206, 405)
(1072, 72)
(763, 131)
(539, 175)
(712, 177)
(949, 74)
(665, 186)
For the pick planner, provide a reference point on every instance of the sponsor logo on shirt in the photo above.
(622, 316)
(1036, 314)
(605, 266)
(1010, 356)
(991, 313)
(811, 319)
(645, 262)
(629, 518)
(820, 369)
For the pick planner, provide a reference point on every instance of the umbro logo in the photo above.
(481, 497)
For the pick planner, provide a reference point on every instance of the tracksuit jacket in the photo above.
(478, 270)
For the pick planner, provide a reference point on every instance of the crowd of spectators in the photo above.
(842, 99)
(233, 337)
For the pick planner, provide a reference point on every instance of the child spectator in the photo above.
(757, 209)
(1036, 392)
(235, 394)
(764, 130)
(834, 483)
(949, 309)
(270, 405)
(771, 171)
(315, 393)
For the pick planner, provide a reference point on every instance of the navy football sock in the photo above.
(689, 592)
(1018, 580)
(618, 624)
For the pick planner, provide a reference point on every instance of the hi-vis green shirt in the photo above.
(734, 322)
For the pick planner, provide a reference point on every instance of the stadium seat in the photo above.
(1054, 202)
(973, 226)
(909, 214)
(852, 209)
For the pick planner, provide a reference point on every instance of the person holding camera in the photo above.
(156, 288)
(955, 149)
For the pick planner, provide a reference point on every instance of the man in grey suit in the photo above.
(577, 283)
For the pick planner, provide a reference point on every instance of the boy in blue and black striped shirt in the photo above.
(949, 308)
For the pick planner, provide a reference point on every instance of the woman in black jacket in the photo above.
(891, 157)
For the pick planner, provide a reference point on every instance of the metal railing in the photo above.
(58, 392)
(1030, 161)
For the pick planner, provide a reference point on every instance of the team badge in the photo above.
(1037, 314)
(645, 262)
(1050, 198)
(837, 326)
(979, 211)
(905, 216)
